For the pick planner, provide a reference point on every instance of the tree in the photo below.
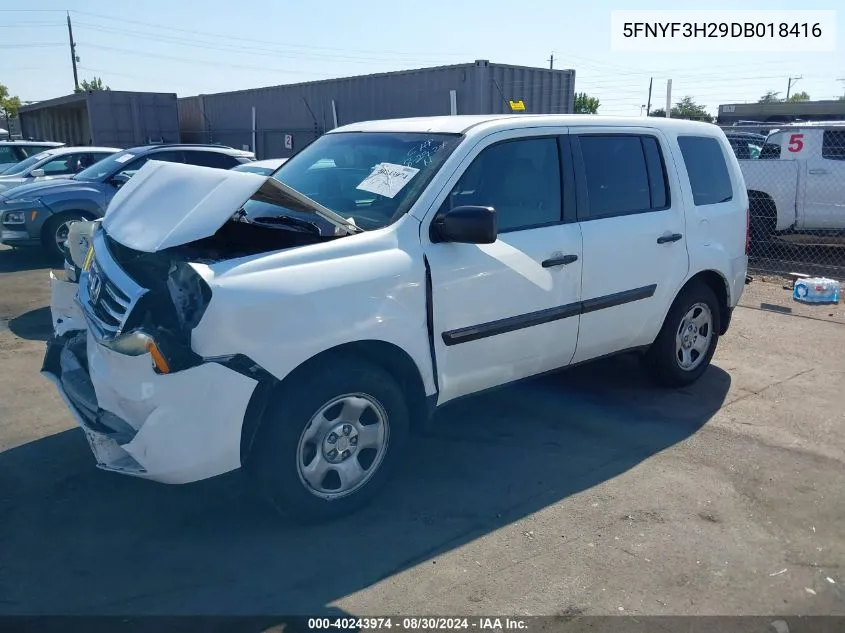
(686, 108)
(585, 104)
(798, 97)
(9, 105)
(93, 84)
(770, 97)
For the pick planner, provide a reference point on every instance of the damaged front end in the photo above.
(121, 355)
(149, 406)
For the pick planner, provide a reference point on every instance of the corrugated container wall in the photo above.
(288, 117)
(104, 117)
(126, 119)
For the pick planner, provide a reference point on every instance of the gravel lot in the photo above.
(586, 492)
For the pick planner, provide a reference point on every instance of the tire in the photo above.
(56, 228)
(290, 452)
(671, 360)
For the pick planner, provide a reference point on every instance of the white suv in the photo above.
(302, 325)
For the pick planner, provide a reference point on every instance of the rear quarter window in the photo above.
(709, 177)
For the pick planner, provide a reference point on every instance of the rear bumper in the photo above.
(174, 428)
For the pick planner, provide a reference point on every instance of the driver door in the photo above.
(510, 309)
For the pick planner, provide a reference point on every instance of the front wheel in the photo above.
(331, 439)
(55, 233)
(687, 341)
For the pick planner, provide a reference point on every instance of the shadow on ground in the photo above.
(77, 540)
(15, 260)
(35, 325)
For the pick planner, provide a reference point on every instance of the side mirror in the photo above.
(466, 225)
(120, 179)
(37, 173)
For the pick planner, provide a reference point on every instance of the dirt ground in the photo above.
(587, 492)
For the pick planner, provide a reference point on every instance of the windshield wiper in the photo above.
(286, 220)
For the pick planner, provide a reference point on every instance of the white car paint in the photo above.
(198, 201)
(282, 308)
(64, 310)
(807, 188)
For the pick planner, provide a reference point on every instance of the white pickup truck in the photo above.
(302, 325)
(797, 185)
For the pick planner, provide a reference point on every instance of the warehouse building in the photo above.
(109, 118)
(277, 121)
(782, 112)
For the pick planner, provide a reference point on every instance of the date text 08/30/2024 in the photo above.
(417, 624)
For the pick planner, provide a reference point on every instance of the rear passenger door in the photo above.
(632, 223)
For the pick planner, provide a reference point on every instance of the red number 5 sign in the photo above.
(796, 143)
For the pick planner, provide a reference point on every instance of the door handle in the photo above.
(818, 171)
(563, 260)
(665, 239)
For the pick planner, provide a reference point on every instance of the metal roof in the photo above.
(460, 124)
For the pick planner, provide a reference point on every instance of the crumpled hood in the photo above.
(170, 204)
(56, 187)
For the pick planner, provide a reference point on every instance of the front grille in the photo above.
(107, 294)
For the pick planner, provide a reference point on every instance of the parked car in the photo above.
(61, 162)
(40, 213)
(301, 325)
(262, 167)
(12, 152)
(746, 144)
(801, 187)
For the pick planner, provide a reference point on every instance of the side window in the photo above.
(135, 165)
(211, 159)
(519, 179)
(7, 155)
(708, 172)
(64, 165)
(624, 174)
(833, 144)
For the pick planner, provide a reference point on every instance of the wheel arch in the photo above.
(88, 215)
(718, 283)
(392, 358)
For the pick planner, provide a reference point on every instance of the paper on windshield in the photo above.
(388, 179)
(124, 158)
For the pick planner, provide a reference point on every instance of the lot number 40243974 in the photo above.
(796, 143)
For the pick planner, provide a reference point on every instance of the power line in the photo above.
(229, 36)
(252, 50)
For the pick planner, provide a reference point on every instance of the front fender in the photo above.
(281, 317)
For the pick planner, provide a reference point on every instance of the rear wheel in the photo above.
(687, 341)
(331, 441)
(55, 233)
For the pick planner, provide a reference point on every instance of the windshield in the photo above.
(368, 178)
(103, 168)
(263, 171)
(19, 168)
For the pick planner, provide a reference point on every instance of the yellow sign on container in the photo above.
(517, 106)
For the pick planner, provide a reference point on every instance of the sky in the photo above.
(191, 47)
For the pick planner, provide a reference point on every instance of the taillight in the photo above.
(748, 231)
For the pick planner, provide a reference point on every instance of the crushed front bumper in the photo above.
(172, 428)
(63, 306)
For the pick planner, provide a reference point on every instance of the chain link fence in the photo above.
(795, 176)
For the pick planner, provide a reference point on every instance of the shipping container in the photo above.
(277, 121)
(109, 118)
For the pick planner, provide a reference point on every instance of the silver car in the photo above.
(59, 162)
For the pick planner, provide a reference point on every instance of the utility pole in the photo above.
(789, 85)
(73, 57)
(669, 99)
(552, 61)
(648, 105)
